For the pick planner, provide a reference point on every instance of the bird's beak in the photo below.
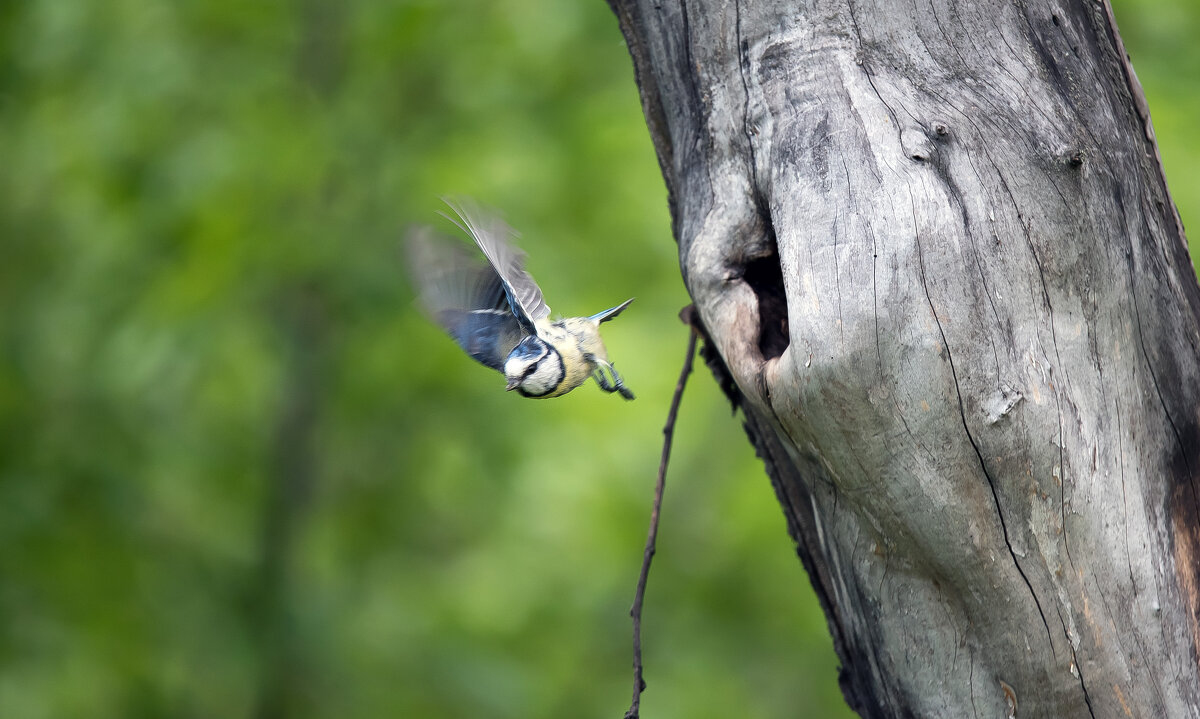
(512, 384)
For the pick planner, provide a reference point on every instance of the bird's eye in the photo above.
(529, 370)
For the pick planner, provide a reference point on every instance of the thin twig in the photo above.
(639, 684)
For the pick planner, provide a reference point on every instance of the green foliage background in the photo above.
(241, 475)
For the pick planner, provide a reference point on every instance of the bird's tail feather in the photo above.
(611, 312)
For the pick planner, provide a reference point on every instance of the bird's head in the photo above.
(534, 368)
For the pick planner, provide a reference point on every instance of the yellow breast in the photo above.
(578, 341)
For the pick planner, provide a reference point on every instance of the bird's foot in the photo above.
(616, 384)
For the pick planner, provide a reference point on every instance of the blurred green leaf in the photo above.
(201, 207)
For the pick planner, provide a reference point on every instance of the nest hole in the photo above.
(765, 276)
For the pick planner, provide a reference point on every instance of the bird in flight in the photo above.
(494, 309)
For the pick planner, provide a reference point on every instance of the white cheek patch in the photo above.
(544, 378)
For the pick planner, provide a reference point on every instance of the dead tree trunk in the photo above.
(934, 249)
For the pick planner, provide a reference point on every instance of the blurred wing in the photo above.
(464, 295)
(487, 335)
(493, 235)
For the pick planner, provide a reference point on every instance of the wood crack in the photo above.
(747, 123)
(970, 437)
(867, 74)
(1137, 314)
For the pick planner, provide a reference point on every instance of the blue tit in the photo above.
(495, 310)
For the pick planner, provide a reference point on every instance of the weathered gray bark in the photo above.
(933, 247)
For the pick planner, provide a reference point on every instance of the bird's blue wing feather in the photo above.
(487, 335)
(493, 236)
(463, 294)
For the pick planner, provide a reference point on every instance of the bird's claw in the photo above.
(616, 384)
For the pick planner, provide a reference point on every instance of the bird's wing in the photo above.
(464, 295)
(493, 236)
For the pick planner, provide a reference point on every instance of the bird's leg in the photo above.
(617, 384)
(601, 380)
(598, 373)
